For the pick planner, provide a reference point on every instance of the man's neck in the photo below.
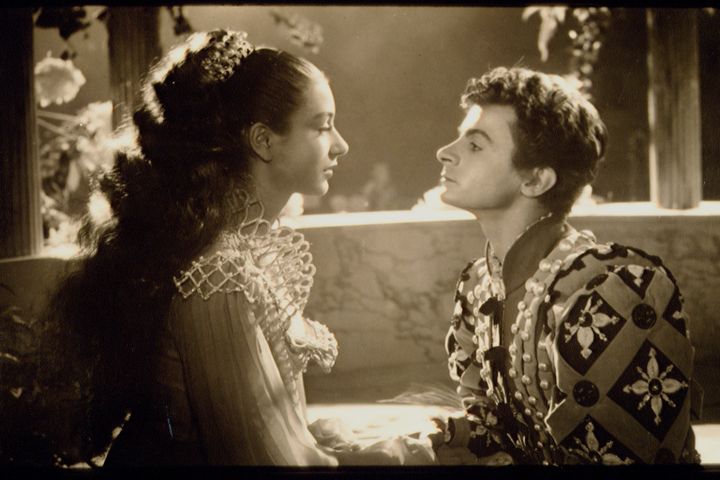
(502, 228)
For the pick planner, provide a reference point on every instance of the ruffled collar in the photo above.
(280, 253)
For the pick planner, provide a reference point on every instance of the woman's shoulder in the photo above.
(223, 270)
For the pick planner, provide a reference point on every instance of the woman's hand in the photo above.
(401, 450)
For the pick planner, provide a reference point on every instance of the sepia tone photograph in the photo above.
(323, 237)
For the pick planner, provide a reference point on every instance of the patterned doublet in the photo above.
(599, 364)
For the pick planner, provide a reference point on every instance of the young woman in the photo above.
(188, 312)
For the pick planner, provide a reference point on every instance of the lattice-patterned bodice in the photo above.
(272, 266)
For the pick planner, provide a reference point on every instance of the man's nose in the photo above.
(445, 155)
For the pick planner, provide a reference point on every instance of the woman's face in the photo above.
(303, 159)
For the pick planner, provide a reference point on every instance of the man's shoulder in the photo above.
(594, 261)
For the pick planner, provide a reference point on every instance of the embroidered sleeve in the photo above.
(480, 429)
(623, 363)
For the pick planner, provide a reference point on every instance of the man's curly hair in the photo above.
(556, 127)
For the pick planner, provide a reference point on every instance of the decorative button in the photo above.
(540, 445)
(525, 380)
(565, 245)
(644, 316)
(528, 412)
(544, 384)
(532, 400)
(524, 335)
(478, 291)
(537, 427)
(538, 289)
(527, 314)
(471, 297)
(521, 305)
(518, 395)
(539, 415)
(514, 328)
(529, 284)
(526, 357)
(512, 372)
(542, 367)
(586, 393)
(512, 349)
(545, 265)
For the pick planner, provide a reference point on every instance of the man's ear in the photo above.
(260, 140)
(538, 181)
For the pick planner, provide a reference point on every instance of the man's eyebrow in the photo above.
(475, 131)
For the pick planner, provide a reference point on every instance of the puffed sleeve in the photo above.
(623, 365)
(244, 412)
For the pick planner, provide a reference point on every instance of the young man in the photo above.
(565, 350)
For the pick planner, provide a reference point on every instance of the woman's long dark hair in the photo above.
(169, 190)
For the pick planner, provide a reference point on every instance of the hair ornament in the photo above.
(225, 54)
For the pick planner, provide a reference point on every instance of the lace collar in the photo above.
(256, 257)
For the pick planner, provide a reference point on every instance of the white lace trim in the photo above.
(273, 268)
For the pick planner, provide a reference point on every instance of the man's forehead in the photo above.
(475, 112)
(472, 116)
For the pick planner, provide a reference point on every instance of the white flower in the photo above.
(589, 324)
(654, 386)
(57, 81)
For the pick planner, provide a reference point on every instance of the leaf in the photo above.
(529, 12)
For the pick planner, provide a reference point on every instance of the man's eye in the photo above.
(475, 147)
(326, 128)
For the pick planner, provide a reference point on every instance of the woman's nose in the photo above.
(340, 147)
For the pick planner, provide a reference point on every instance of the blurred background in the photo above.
(397, 73)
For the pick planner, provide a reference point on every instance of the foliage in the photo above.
(40, 410)
(71, 20)
(587, 37)
(299, 30)
(72, 152)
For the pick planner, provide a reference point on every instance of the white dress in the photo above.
(231, 362)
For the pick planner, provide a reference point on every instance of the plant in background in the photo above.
(299, 30)
(586, 37)
(72, 147)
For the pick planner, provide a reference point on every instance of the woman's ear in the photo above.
(260, 140)
(539, 180)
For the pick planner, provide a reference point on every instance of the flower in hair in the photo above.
(224, 55)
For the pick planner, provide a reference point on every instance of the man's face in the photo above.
(478, 173)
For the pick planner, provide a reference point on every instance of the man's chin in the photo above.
(447, 199)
